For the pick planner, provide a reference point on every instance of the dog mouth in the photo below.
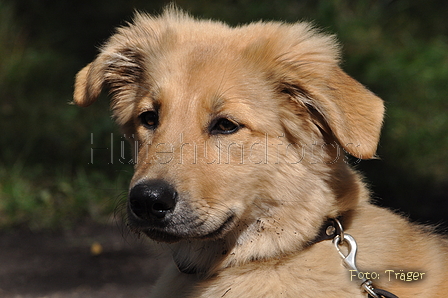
(185, 233)
(222, 230)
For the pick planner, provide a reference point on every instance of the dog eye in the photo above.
(149, 119)
(224, 126)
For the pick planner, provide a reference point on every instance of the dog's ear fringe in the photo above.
(304, 63)
(353, 114)
(120, 55)
(119, 70)
(88, 85)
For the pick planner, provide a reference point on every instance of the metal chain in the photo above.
(350, 260)
(383, 293)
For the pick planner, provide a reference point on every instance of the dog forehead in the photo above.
(208, 80)
(213, 95)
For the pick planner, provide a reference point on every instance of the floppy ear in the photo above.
(303, 63)
(119, 69)
(120, 65)
(88, 84)
(353, 113)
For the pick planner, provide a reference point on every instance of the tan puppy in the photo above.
(240, 137)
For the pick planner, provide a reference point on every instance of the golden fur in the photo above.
(281, 175)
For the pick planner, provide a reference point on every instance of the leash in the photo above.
(382, 294)
(332, 230)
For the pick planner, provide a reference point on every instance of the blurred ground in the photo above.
(61, 264)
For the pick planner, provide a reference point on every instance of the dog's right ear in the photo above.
(120, 64)
(119, 69)
(88, 84)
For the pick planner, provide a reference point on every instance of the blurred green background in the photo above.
(399, 49)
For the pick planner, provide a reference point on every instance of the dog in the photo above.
(241, 137)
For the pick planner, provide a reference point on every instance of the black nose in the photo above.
(152, 199)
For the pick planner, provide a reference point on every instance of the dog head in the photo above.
(240, 133)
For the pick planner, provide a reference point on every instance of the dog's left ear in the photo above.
(304, 64)
(353, 113)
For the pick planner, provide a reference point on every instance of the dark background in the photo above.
(399, 49)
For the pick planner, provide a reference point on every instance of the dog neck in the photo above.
(199, 257)
(204, 258)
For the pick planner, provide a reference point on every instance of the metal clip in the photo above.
(350, 260)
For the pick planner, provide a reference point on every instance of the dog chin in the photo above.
(161, 235)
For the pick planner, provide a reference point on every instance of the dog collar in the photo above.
(330, 229)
